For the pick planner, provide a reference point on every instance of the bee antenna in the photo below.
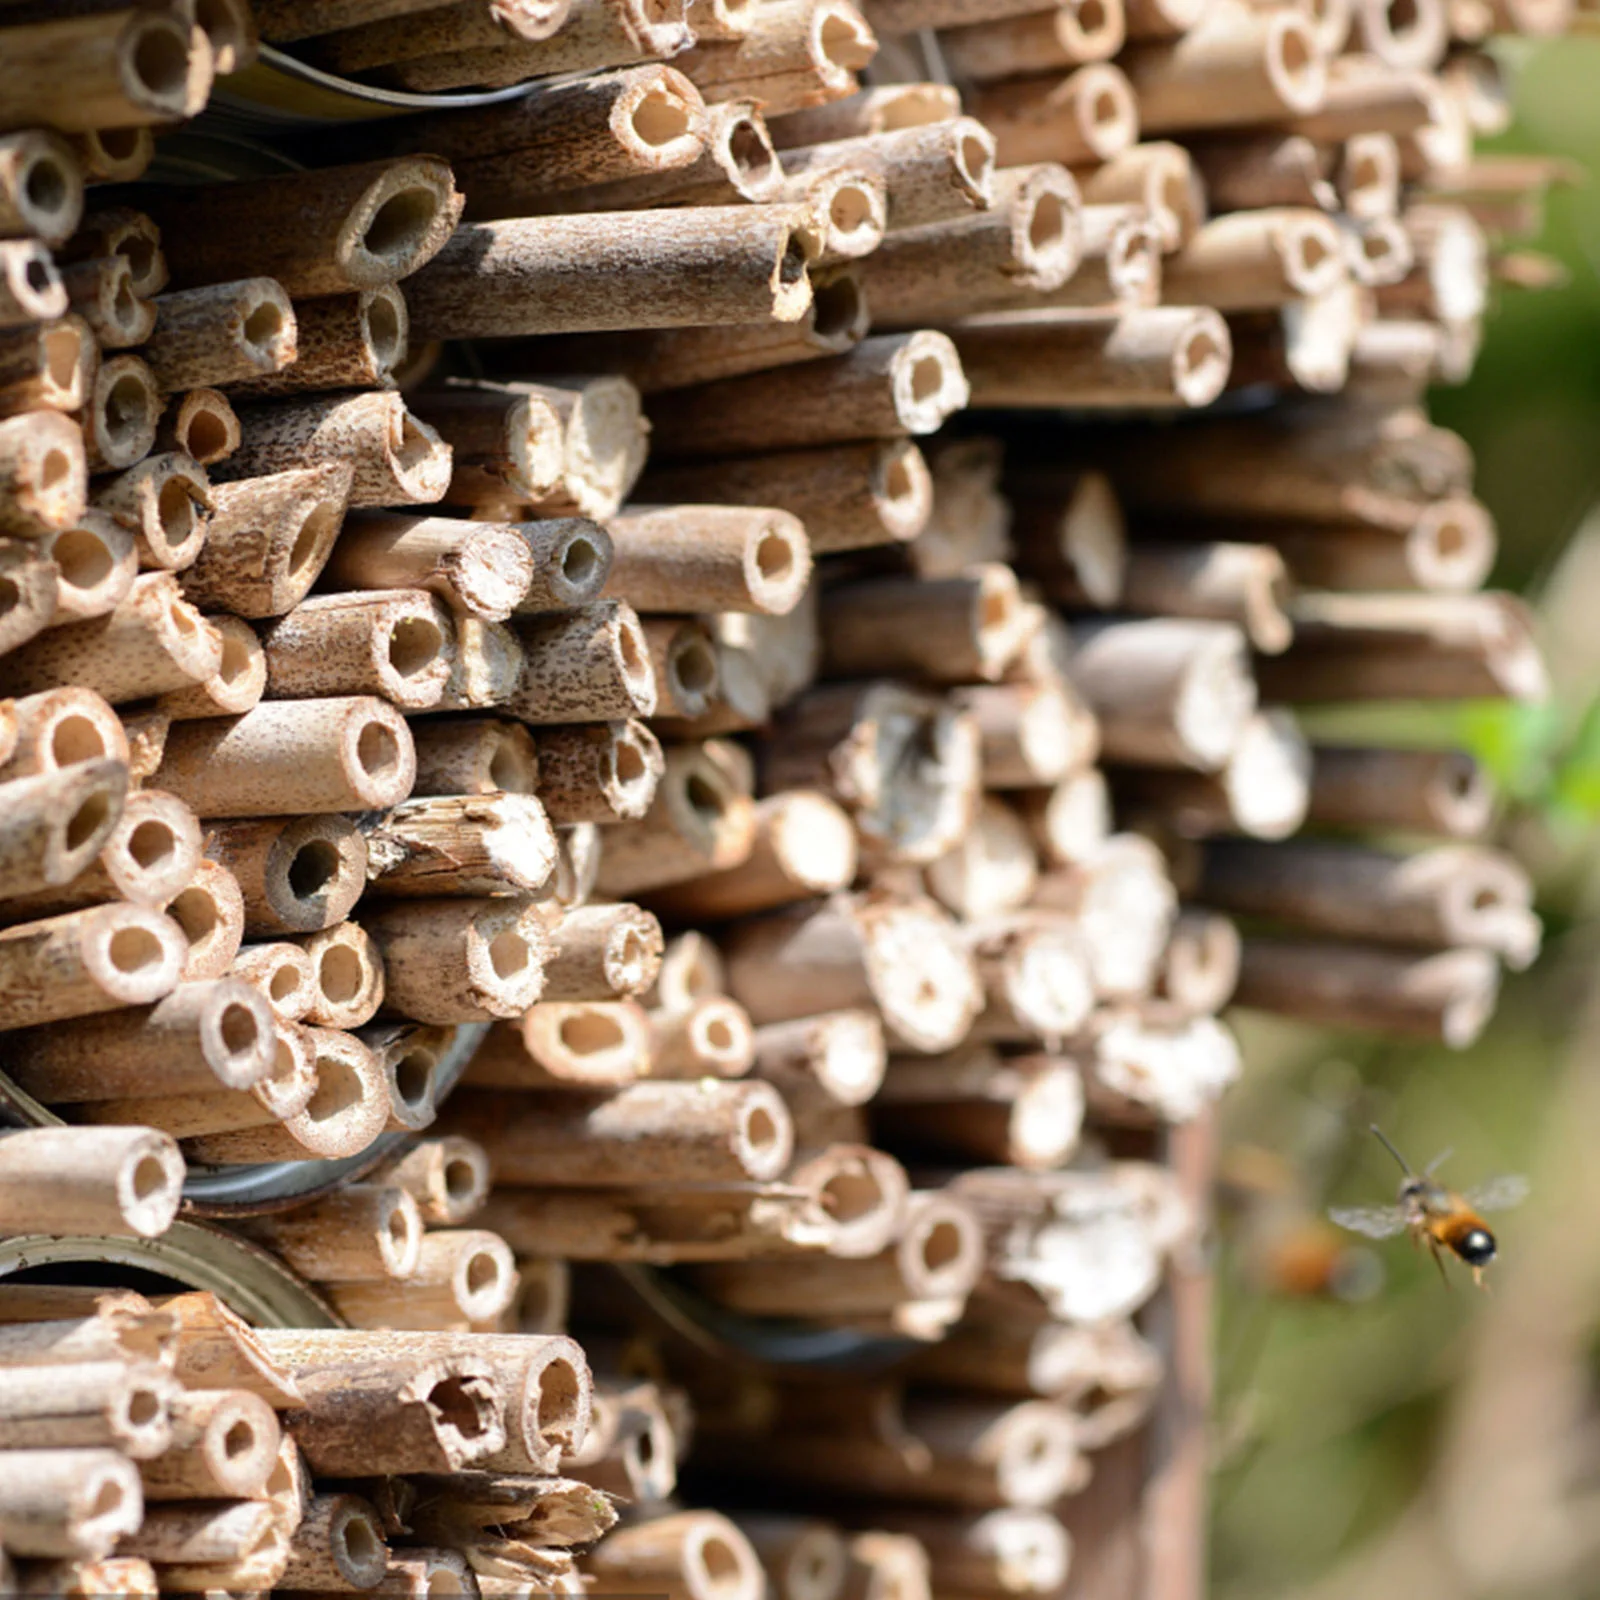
(1383, 1139)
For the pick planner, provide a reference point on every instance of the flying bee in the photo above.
(1436, 1216)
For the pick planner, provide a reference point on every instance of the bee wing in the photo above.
(1499, 1194)
(1376, 1222)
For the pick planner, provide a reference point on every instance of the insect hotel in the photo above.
(646, 654)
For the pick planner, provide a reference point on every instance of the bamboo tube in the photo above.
(1449, 548)
(596, 34)
(1028, 241)
(349, 976)
(1410, 647)
(347, 1109)
(297, 875)
(395, 458)
(691, 970)
(46, 366)
(1448, 895)
(438, 31)
(562, 1044)
(903, 764)
(81, 1579)
(842, 213)
(316, 233)
(683, 656)
(687, 1555)
(150, 642)
(1084, 118)
(710, 1039)
(839, 1054)
(1445, 996)
(1124, 902)
(990, 869)
(1007, 1551)
(708, 558)
(161, 500)
(1245, 584)
(268, 539)
(220, 334)
(100, 291)
(43, 474)
(881, 1564)
(53, 825)
(105, 1181)
(41, 187)
(1156, 1066)
(644, 1133)
(1039, 983)
(123, 408)
(415, 1574)
(283, 21)
(86, 962)
(210, 911)
(122, 231)
(577, 862)
(1158, 356)
(465, 1276)
(970, 520)
(463, 960)
(216, 1349)
(394, 643)
(1121, 267)
(240, 1542)
(1368, 176)
(1244, 172)
(342, 341)
(113, 155)
(337, 1547)
(409, 1056)
(508, 443)
(702, 819)
(201, 1035)
(28, 586)
(1201, 966)
(676, 358)
(282, 972)
(147, 736)
(1236, 68)
(803, 846)
(884, 108)
(886, 387)
(1033, 734)
(1262, 791)
(1166, 690)
(796, 55)
(481, 568)
(803, 1559)
(1159, 177)
(44, 1325)
(236, 686)
(475, 755)
(845, 953)
(448, 1178)
(461, 845)
(1410, 38)
(947, 630)
(601, 952)
(849, 497)
(590, 665)
(225, 1444)
(1039, 41)
(1023, 1111)
(1378, 252)
(1255, 259)
(288, 757)
(565, 274)
(67, 1503)
(1441, 792)
(1070, 822)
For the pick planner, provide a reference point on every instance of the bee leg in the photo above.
(1438, 1261)
(1477, 1278)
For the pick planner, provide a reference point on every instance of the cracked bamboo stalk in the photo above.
(225, 1444)
(395, 457)
(287, 757)
(342, 341)
(220, 334)
(849, 497)
(44, 483)
(323, 232)
(46, 366)
(461, 845)
(85, 962)
(883, 389)
(482, 568)
(52, 825)
(123, 409)
(268, 539)
(201, 1035)
(563, 274)
(162, 500)
(489, 661)
(107, 1181)
(644, 1133)
(475, 755)
(467, 960)
(296, 875)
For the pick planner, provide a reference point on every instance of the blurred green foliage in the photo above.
(1328, 1413)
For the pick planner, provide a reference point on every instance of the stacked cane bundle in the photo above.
(479, 593)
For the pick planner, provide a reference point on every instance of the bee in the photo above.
(1435, 1216)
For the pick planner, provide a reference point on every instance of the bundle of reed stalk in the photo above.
(513, 596)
